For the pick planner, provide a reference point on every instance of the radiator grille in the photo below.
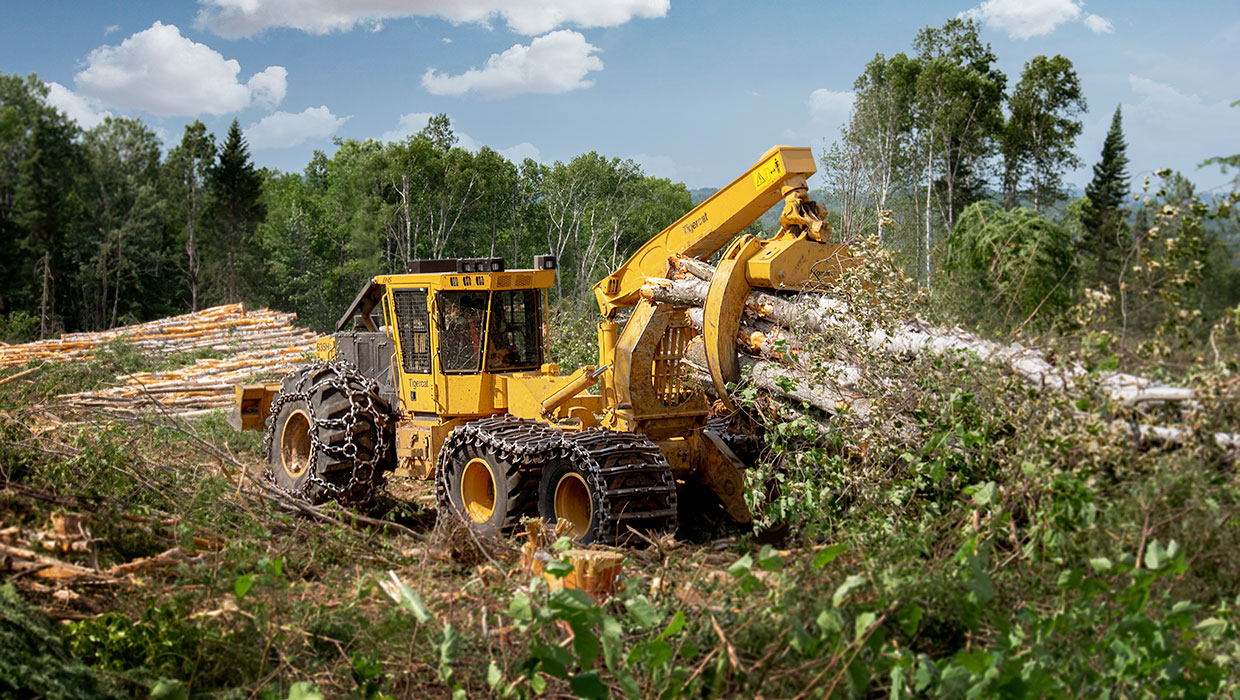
(668, 372)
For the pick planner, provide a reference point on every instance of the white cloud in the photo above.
(518, 153)
(241, 18)
(829, 110)
(1024, 19)
(1166, 128)
(111, 28)
(447, 40)
(284, 129)
(1099, 25)
(83, 110)
(162, 72)
(555, 63)
(414, 122)
(268, 87)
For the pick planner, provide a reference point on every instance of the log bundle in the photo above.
(261, 343)
(776, 330)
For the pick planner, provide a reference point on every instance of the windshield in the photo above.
(515, 338)
(462, 322)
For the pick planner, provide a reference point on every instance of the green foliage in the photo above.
(1003, 267)
(162, 644)
(36, 662)
(1041, 130)
(18, 327)
(573, 328)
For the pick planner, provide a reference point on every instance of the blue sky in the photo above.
(694, 91)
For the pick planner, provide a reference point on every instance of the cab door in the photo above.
(409, 314)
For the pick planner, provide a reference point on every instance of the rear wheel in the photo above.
(479, 489)
(608, 485)
(488, 471)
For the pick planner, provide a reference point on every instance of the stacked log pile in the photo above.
(254, 343)
(775, 328)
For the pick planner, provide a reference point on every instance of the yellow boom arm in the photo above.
(708, 226)
(797, 254)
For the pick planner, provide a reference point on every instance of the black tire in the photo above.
(629, 484)
(330, 437)
(484, 489)
(566, 483)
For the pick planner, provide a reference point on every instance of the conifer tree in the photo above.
(236, 186)
(1102, 216)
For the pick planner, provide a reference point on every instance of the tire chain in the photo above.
(362, 394)
(628, 471)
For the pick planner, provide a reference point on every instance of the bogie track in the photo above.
(629, 482)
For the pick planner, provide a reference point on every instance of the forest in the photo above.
(969, 534)
(110, 226)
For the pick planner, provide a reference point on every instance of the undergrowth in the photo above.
(968, 537)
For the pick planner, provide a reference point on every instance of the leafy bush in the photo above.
(1004, 266)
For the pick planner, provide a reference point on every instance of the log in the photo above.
(819, 313)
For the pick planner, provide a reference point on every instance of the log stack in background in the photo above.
(253, 344)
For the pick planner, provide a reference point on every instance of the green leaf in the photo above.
(243, 584)
(519, 609)
(587, 685)
(1101, 564)
(448, 649)
(850, 584)
(1211, 626)
(555, 659)
(984, 494)
(741, 566)
(167, 689)
(411, 601)
(658, 653)
(827, 554)
(559, 569)
(570, 600)
(586, 644)
(909, 617)
(769, 559)
(1155, 556)
(643, 612)
(863, 623)
(677, 623)
(613, 645)
(304, 690)
(494, 675)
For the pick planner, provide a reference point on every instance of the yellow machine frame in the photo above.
(643, 384)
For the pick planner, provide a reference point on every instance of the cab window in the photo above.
(515, 341)
(462, 329)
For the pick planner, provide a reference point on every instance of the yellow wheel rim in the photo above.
(295, 444)
(478, 490)
(572, 503)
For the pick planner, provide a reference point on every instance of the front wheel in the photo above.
(330, 435)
